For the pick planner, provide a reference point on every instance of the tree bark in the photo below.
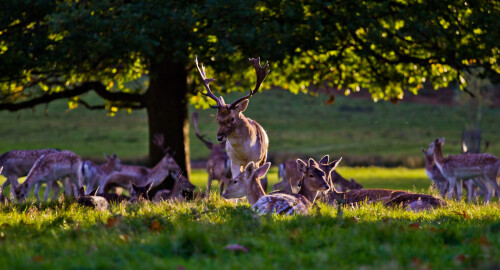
(471, 140)
(167, 107)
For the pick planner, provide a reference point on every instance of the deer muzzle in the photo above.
(220, 137)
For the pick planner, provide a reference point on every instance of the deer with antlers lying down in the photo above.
(175, 194)
(218, 164)
(246, 140)
(17, 163)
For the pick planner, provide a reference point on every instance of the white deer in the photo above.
(247, 141)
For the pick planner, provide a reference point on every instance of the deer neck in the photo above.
(306, 192)
(255, 191)
(438, 155)
(243, 135)
(158, 172)
(336, 195)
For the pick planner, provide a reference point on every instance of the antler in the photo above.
(209, 144)
(206, 83)
(159, 140)
(261, 75)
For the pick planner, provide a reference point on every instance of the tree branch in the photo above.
(98, 87)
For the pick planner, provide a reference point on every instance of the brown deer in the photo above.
(246, 140)
(92, 200)
(218, 164)
(176, 193)
(442, 184)
(50, 168)
(465, 166)
(17, 163)
(247, 184)
(141, 176)
(97, 175)
(336, 179)
(140, 193)
(415, 202)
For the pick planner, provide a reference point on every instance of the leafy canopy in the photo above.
(54, 47)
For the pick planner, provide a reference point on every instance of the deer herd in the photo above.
(239, 163)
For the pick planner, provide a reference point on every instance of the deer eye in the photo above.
(311, 175)
(232, 119)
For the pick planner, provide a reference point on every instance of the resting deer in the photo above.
(50, 168)
(465, 166)
(218, 164)
(247, 184)
(336, 179)
(415, 202)
(246, 140)
(92, 200)
(175, 193)
(17, 163)
(140, 175)
(140, 193)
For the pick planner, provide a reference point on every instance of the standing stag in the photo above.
(246, 140)
(218, 164)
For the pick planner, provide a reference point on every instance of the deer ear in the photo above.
(324, 160)
(134, 187)
(107, 156)
(149, 186)
(312, 162)
(334, 164)
(441, 140)
(242, 106)
(423, 150)
(301, 166)
(249, 169)
(262, 170)
(94, 192)
(114, 155)
(81, 191)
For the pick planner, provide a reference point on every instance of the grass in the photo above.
(362, 131)
(194, 235)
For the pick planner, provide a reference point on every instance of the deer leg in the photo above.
(221, 187)
(209, 184)
(451, 188)
(38, 185)
(56, 188)
(459, 185)
(47, 191)
(479, 181)
(469, 185)
(494, 188)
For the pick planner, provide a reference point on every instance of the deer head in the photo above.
(436, 143)
(230, 116)
(113, 162)
(245, 182)
(313, 176)
(140, 193)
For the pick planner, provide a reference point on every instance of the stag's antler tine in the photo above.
(159, 141)
(261, 75)
(206, 83)
(209, 144)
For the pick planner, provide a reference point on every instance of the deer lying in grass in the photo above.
(140, 175)
(247, 184)
(246, 140)
(17, 163)
(218, 164)
(50, 168)
(140, 193)
(465, 166)
(175, 194)
(415, 202)
(92, 200)
(289, 175)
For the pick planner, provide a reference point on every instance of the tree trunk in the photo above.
(167, 107)
(471, 140)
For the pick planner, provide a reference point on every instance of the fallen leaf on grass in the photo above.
(461, 258)
(463, 214)
(331, 99)
(124, 237)
(416, 262)
(155, 226)
(237, 247)
(113, 221)
(37, 258)
(414, 225)
(483, 241)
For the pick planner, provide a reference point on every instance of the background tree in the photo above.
(139, 54)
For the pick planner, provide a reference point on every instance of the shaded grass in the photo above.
(61, 235)
(297, 125)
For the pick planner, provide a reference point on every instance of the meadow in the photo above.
(216, 234)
